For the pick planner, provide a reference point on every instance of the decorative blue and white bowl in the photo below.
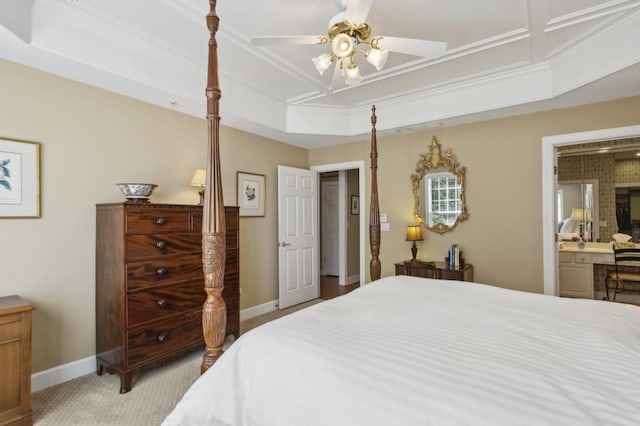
(137, 192)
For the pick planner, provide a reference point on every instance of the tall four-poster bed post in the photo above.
(214, 312)
(374, 210)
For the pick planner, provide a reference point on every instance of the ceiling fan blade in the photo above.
(357, 10)
(410, 46)
(280, 40)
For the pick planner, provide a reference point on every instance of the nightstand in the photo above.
(15, 368)
(420, 268)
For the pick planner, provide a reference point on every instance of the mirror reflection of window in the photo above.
(443, 198)
(560, 207)
(438, 186)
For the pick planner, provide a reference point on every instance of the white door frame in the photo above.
(359, 164)
(549, 144)
(342, 227)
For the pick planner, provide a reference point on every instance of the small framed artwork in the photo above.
(19, 179)
(251, 194)
(355, 204)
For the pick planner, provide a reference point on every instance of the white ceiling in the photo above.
(504, 57)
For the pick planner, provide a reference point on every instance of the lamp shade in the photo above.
(414, 233)
(581, 215)
(377, 57)
(342, 45)
(352, 75)
(199, 177)
(323, 62)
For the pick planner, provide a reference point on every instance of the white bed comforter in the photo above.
(413, 351)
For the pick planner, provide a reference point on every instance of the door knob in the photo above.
(283, 244)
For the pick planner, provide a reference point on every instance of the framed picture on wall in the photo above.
(19, 179)
(355, 204)
(251, 194)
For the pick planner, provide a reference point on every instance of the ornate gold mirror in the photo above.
(438, 190)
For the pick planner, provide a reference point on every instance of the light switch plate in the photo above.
(384, 227)
(383, 218)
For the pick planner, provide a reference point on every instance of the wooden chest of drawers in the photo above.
(150, 284)
(15, 361)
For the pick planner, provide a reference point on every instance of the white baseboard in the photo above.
(353, 279)
(64, 373)
(257, 310)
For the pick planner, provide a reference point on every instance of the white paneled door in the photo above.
(298, 239)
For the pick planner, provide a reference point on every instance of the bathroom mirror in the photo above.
(438, 190)
(577, 210)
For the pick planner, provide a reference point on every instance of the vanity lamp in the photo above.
(198, 180)
(414, 233)
(582, 216)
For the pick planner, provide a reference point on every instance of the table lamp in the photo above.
(198, 180)
(414, 233)
(583, 216)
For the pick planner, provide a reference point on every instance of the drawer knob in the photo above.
(161, 271)
(161, 338)
(161, 244)
(162, 303)
(161, 221)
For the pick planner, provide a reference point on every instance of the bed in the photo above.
(417, 351)
(406, 350)
(569, 230)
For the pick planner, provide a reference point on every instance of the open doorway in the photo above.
(339, 230)
(342, 226)
(550, 144)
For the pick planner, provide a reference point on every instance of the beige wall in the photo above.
(90, 140)
(503, 236)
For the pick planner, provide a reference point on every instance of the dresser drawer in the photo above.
(564, 257)
(144, 221)
(231, 264)
(230, 292)
(10, 328)
(147, 245)
(159, 303)
(163, 337)
(164, 270)
(582, 258)
(231, 221)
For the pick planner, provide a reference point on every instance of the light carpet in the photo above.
(95, 400)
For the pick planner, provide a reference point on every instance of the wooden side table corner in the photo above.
(15, 361)
(459, 273)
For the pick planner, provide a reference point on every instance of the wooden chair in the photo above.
(418, 268)
(625, 281)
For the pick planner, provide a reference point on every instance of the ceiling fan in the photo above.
(348, 32)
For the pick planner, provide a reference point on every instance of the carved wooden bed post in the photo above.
(374, 210)
(214, 311)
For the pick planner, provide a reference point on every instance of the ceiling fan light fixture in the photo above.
(323, 62)
(377, 57)
(352, 75)
(342, 45)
